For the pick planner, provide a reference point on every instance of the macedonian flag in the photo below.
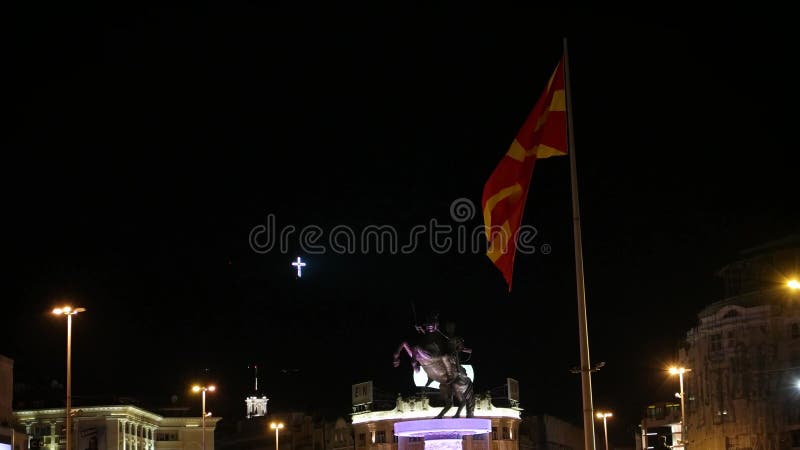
(544, 134)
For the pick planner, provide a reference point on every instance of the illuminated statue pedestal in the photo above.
(442, 434)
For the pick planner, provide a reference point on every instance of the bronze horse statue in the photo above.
(438, 355)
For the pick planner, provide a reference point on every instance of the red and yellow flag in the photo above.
(544, 134)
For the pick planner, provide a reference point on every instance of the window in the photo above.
(380, 437)
(793, 415)
(362, 439)
(478, 437)
(506, 434)
(494, 433)
(721, 416)
(795, 331)
(655, 412)
(739, 442)
(731, 313)
(41, 430)
(167, 436)
(795, 438)
(716, 342)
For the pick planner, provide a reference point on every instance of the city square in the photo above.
(285, 226)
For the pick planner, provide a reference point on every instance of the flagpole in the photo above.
(583, 329)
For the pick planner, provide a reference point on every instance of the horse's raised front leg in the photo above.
(403, 346)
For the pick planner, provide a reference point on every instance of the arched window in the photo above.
(731, 313)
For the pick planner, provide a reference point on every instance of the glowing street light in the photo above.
(276, 426)
(793, 284)
(203, 389)
(604, 416)
(69, 312)
(680, 371)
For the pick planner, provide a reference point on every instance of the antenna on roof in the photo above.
(255, 375)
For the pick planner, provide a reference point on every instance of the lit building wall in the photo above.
(256, 406)
(115, 428)
(374, 430)
(662, 419)
(744, 356)
(189, 433)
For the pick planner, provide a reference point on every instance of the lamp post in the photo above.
(680, 371)
(604, 416)
(202, 390)
(277, 426)
(69, 312)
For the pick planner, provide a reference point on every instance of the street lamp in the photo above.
(604, 416)
(276, 426)
(680, 371)
(793, 284)
(203, 389)
(69, 312)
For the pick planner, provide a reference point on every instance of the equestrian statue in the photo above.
(438, 354)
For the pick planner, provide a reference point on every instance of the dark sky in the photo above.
(146, 142)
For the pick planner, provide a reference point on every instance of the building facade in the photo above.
(300, 432)
(660, 427)
(742, 392)
(116, 427)
(10, 436)
(374, 430)
(545, 432)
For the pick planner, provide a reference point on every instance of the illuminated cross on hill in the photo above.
(299, 264)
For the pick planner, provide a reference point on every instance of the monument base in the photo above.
(442, 434)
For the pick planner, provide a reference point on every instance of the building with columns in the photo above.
(256, 406)
(374, 430)
(116, 427)
(742, 390)
(744, 354)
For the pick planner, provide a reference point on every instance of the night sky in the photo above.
(146, 142)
